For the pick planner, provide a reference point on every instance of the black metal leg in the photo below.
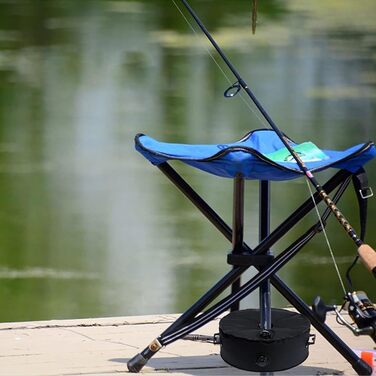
(182, 325)
(264, 230)
(238, 227)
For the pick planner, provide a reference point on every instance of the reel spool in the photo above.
(246, 346)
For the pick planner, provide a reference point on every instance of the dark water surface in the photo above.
(87, 226)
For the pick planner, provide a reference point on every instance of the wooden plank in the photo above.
(102, 347)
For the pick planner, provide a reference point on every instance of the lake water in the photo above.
(90, 228)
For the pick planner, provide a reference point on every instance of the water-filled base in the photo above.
(244, 346)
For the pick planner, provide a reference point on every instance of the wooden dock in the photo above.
(102, 347)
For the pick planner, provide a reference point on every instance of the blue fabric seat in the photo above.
(249, 156)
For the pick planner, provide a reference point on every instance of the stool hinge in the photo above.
(246, 259)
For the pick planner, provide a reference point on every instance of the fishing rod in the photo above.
(366, 253)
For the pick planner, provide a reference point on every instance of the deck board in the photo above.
(102, 346)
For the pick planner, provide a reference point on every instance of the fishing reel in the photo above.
(360, 309)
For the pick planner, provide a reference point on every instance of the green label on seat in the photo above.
(307, 151)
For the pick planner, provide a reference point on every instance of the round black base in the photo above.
(244, 346)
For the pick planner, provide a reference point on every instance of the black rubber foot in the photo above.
(136, 364)
(362, 368)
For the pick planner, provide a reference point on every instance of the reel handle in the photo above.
(320, 309)
(368, 257)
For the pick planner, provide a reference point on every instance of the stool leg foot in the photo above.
(136, 363)
(362, 368)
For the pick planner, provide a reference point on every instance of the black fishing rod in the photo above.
(366, 252)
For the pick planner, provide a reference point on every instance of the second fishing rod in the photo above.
(366, 253)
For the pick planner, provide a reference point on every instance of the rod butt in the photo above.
(136, 364)
(368, 257)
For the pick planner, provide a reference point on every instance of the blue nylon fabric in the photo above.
(247, 156)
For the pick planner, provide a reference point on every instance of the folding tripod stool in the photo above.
(267, 339)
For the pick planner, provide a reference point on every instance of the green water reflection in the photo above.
(90, 228)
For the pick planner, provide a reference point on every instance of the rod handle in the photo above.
(368, 257)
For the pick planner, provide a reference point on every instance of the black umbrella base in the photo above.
(244, 345)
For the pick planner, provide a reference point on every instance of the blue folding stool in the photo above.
(248, 156)
(266, 339)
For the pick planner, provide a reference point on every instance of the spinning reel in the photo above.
(360, 309)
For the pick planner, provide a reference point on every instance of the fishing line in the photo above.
(245, 101)
(366, 252)
(326, 238)
(262, 121)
